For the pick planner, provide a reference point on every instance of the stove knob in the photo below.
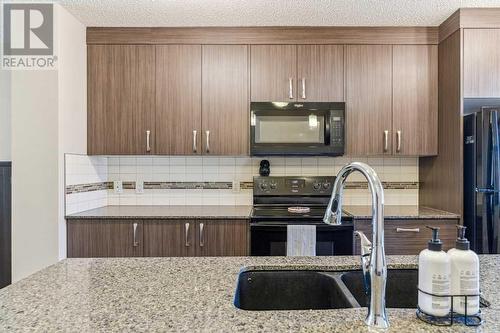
(273, 186)
(316, 186)
(264, 186)
(326, 185)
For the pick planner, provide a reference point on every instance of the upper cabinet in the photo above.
(320, 73)
(225, 99)
(481, 63)
(313, 73)
(368, 90)
(178, 99)
(391, 100)
(273, 72)
(415, 100)
(121, 92)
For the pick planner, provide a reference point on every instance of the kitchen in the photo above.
(193, 173)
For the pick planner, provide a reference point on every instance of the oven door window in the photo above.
(290, 129)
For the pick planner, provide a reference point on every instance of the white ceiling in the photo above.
(181, 13)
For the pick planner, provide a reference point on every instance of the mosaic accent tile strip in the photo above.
(386, 185)
(80, 188)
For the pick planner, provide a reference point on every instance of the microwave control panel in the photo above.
(337, 124)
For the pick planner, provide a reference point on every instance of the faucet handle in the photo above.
(366, 245)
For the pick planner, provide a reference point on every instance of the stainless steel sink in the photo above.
(314, 290)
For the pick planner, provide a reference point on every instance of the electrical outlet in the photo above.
(118, 186)
(236, 186)
(139, 187)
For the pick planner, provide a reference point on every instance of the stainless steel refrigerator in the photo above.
(482, 173)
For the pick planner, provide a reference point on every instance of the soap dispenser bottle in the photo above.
(434, 277)
(464, 275)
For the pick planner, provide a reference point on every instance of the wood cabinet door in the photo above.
(408, 237)
(273, 72)
(169, 238)
(225, 100)
(222, 238)
(121, 90)
(368, 89)
(481, 63)
(320, 73)
(178, 100)
(415, 100)
(99, 238)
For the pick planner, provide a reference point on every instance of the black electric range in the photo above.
(275, 201)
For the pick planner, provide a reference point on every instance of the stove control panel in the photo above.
(311, 186)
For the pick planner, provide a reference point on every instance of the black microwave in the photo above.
(293, 128)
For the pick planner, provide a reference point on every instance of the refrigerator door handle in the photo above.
(495, 218)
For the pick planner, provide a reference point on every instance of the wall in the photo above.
(34, 171)
(187, 180)
(5, 122)
(72, 86)
(48, 118)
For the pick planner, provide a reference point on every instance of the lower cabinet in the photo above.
(222, 238)
(157, 238)
(196, 238)
(408, 237)
(104, 238)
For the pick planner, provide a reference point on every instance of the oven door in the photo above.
(270, 239)
(296, 132)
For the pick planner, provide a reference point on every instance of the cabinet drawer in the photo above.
(408, 237)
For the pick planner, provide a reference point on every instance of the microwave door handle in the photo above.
(328, 128)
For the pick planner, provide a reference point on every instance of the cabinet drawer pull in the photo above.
(208, 141)
(135, 242)
(303, 88)
(148, 143)
(398, 139)
(186, 226)
(415, 230)
(202, 241)
(194, 141)
(386, 140)
(290, 88)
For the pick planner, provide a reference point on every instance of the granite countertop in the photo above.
(165, 212)
(400, 212)
(194, 294)
(243, 212)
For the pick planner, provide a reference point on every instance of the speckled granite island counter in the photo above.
(194, 294)
(401, 212)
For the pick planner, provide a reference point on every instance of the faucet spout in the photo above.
(376, 268)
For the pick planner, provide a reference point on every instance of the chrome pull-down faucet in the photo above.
(376, 265)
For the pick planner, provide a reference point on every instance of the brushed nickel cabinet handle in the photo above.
(208, 141)
(290, 88)
(398, 139)
(415, 230)
(135, 242)
(148, 143)
(195, 149)
(202, 241)
(303, 88)
(386, 140)
(186, 226)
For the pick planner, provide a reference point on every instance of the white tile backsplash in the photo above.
(82, 169)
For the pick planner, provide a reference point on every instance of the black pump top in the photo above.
(435, 243)
(461, 243)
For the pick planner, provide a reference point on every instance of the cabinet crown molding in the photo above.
(262, 35)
